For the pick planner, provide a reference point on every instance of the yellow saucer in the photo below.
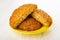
(44, 28)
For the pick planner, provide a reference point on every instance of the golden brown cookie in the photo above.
(30, 24)
(21, 13)
(42, 17)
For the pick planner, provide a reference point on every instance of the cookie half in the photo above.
(21, 13)
(42, 17)
(30, 24)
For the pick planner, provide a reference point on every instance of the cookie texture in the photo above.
(42, 17)
(21, 13)
(30, 24)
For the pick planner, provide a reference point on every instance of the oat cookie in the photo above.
(42, 17)
(21, 13)
(30, 24)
